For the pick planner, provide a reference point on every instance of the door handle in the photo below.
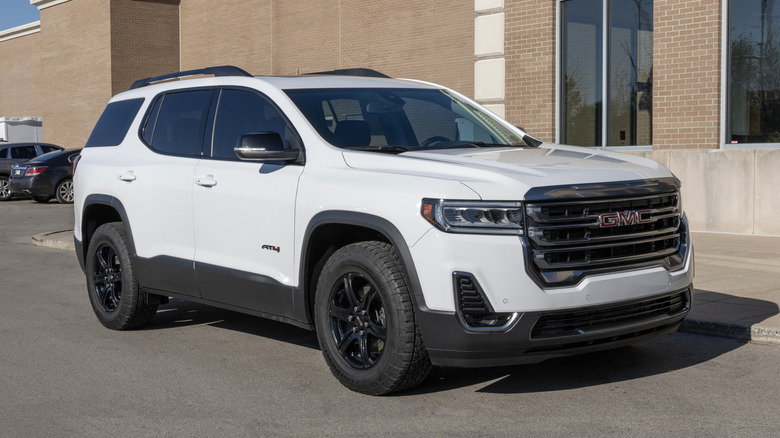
(128, 176)
(207, 181)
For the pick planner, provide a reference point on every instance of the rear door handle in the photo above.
(206, 181)
(128, 176)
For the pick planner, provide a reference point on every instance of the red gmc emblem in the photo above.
(622, 218)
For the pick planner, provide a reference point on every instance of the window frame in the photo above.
(725, 91)
(147, 113)
(605, 59)
(214, 112)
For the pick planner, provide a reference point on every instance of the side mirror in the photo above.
(264, 146)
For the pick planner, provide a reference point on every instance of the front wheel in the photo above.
(365, 321)
(113, 290)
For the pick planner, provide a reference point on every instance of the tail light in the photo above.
(35, 170)
(76, 162)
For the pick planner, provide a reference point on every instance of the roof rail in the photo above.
(221, 70)
(352, 72)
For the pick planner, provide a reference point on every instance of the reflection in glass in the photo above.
(630, 72)
(582, 90)
(754, 72)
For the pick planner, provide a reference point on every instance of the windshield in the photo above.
(399, 119)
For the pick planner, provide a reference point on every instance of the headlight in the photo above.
(477, 217)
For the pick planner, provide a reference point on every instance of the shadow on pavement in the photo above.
(180, 313)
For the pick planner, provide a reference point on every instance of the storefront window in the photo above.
(627, 42)
(754, 72)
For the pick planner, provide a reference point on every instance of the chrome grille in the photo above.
(569, 238)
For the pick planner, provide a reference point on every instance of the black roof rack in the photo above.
(221, 70)
(352, 72)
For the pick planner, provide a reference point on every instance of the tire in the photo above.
(113, 289)
(64, 191)
(5, 193)
(41, 199)
(365, 321)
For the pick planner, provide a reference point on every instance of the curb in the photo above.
(45, 240)
(740, 332)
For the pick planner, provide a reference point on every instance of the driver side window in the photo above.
(242, 112)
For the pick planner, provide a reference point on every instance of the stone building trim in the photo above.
(20, 31)
(490, 65)
(43, 4)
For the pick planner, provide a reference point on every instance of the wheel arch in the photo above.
(100, 209)
(330, 230)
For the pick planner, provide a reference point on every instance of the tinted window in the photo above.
(46, 148)
(151, 120)
(23, 152)
(239, 113)
(178, 129)
(112, 126)
(4, 153)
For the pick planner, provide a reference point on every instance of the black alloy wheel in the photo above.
(357, 321)
(107, 274)
(365, 320)
(116, 298)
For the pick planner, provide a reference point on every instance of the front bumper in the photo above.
(449, 343)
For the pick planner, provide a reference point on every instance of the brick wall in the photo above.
(530, 66)
(75, 69)
(144, 40)
(216, 32)
(686, 86)
(427, 40)
(20, 77)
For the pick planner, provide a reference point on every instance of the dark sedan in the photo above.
(48, 176)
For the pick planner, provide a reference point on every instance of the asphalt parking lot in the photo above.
(199, 371)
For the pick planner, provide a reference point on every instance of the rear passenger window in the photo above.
(179, 128)
(23, 152)
(112, 126)
(47, 149)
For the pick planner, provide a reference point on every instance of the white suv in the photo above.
(402, 221)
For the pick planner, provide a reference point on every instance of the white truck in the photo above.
(406, 224)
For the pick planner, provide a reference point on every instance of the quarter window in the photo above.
(112, 126)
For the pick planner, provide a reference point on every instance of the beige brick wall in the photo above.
(686, 83)
(530, 66)
(239, 32)
(427, 40)
(75, 69)
(20, 77)
(144, 40)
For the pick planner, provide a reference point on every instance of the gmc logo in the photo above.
(622, 218)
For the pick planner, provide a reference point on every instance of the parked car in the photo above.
(12, 153)
(405, 223)
(48, 176)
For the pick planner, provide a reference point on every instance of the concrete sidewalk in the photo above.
(737, 284)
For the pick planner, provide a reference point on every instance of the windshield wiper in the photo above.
(379, 148)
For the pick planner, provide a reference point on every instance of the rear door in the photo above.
(243, 211)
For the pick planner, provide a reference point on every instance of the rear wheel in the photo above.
(65, 191)
(5, 192)
(113, 290)
(365, 321)
(41, 199)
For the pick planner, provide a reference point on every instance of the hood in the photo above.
(501, 173)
